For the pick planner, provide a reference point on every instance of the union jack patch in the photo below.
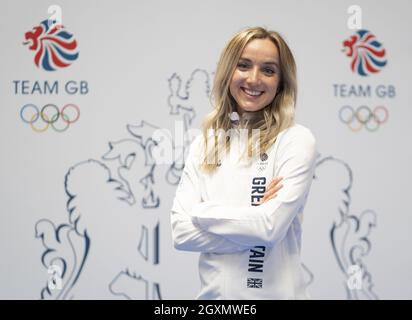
(254, 283)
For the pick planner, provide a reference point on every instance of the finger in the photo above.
(275, 186)
(273, 190)
(268, 198)
(271, 197)
(275, 181)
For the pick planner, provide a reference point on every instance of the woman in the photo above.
(232, 205)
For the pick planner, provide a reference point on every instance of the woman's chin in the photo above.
(250, 108)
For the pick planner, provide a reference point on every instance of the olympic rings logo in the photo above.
(49, 116)
(363, 116)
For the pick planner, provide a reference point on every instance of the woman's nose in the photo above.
(253, 76)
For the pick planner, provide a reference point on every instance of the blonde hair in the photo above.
(273, 118)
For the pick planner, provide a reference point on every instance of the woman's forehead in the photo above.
(261, 49)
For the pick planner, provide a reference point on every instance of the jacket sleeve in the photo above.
(186, 235)
(268, 223)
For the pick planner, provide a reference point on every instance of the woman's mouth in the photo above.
(252, 93)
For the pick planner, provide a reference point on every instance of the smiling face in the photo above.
(256, 78)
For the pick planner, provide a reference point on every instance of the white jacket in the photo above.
(248, 251)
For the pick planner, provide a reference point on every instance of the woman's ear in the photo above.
(279, 88)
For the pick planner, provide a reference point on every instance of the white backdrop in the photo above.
(93, 203)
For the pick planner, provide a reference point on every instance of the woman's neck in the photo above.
(244, 118)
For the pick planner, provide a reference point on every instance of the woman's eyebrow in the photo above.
(271, 62)
(267, 62)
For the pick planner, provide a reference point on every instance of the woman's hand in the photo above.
(272, 189)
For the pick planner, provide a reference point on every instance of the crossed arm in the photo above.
(210, 227)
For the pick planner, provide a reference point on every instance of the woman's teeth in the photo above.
(252, 92)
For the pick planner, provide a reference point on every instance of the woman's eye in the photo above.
(270, 71)
(242, 65)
